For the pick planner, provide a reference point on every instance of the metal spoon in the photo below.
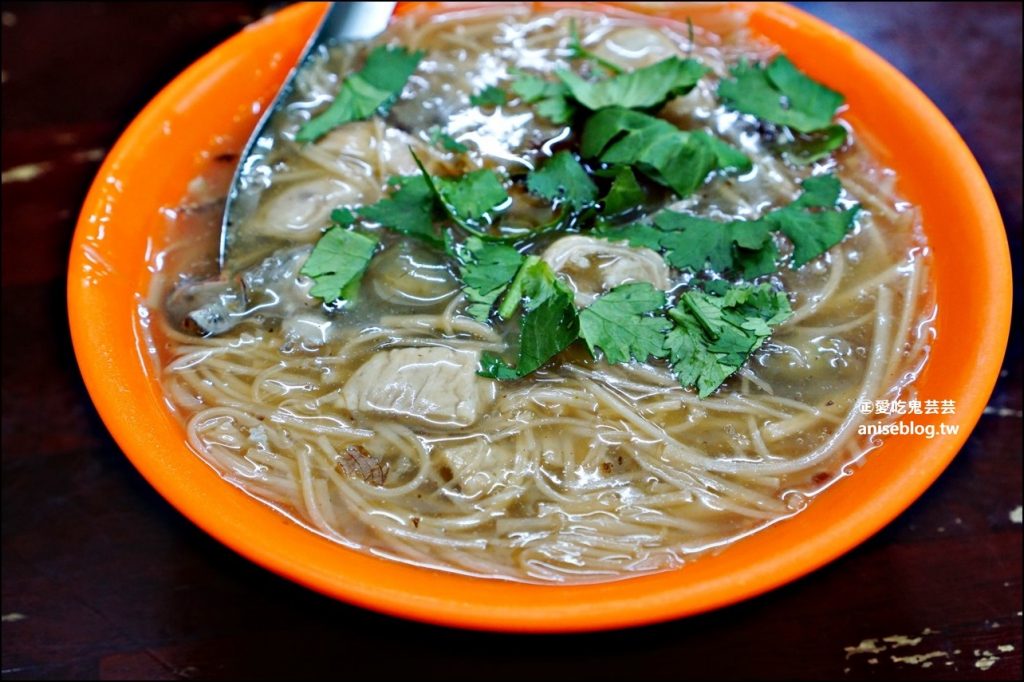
(344, 21)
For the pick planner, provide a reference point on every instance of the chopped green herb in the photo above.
(549, 96)
(564, 181)
(810, 223)
(490, 96)
(486, 269)
(338, 262)
(727, 157)
(621, 323)
(638, 235)
(745, 246)
(644, 88)
(410, 210)
(472, 196)
(343, 217)
(782, 94)
(534, 283)
(548, 326)
(811, 147)
(625, 194)
(714, 334)
(374, 88)
(691, 243)
(671, 157)
(468, 199)
(439, 137)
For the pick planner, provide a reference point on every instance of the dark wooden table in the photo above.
(102, 578)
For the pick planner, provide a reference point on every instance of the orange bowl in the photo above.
(213, 106)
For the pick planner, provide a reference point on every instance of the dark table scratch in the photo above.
(102, 578)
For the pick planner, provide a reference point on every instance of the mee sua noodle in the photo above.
(545, 295)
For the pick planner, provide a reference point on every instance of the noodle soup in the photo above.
(583, 419)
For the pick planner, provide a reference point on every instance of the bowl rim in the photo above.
(451, 599)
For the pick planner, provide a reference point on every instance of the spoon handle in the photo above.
(344, 21)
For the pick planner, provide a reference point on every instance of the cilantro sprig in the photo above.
(813, 223)
(782, 94)
(624, 325)
(551, 98)
(410, 210)
(339, 260)
(486, 270)
(374, 88)
(669, 156)
(549, 324)
(714, 334)
(491, 96)
(644, 88)
(562, 180)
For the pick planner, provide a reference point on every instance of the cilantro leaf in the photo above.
(490, 96)
(782, 94)
(638, 235)
(813, 232)
(375, 87)
(549, 323)
(714, 334)
(338, 262)
(410, 210)
(549, 96)
(727, 157)
(692, 242)
(493, 367)
(621, 324)
(468, 199)
(625, 194)
(486, 269)
(343, 217)
(472, 196)
(563, 180)
(671, 157)
(545, 330)
(446, 141)
(820, 191)
(643, 88)
(817, 145)
(534, 283)
(811, 223)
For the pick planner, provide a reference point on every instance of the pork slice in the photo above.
(431, 385)
(476, 465)
(593, 266)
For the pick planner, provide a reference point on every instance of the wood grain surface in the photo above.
(103, 579)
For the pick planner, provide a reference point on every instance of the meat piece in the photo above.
(476, 465)
(272, 289)
(300, 212)
(370, 149)
(592, 266)
(206, 308)
(309, 331)
(633, 47)
(275, 287)
(433, 385)
(358, 158)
